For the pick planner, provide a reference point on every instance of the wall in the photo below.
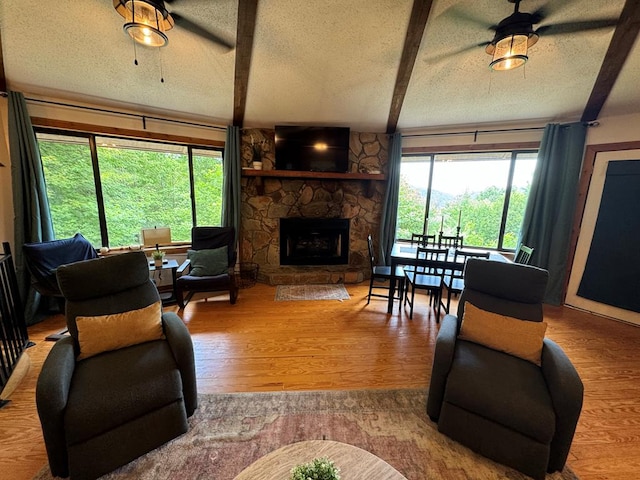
(623, 128)
(311, 198)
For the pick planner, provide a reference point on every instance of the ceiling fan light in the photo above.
(145, 34)
(145, 21)
(510, 52)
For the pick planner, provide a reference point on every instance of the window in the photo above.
(68, 172)
(127, 185)
(481, 196)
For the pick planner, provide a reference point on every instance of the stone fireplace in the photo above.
(267, 200)
(314, 241)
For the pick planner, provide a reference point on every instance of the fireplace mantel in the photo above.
(250, 172)
(260, 174)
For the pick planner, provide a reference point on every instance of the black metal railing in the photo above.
(13, 329)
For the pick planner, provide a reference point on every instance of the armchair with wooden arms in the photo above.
(123, 383)
(497, 385)
(209, 265)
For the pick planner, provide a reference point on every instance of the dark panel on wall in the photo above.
(612, 271)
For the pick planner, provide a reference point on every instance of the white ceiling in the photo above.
(326, 62)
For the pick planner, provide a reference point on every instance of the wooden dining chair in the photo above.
(426, 277)
(451, 241)
(422, 240)
(383, 273)
(453, 279)
(523, 255)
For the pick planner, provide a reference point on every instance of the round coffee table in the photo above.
(353, 462)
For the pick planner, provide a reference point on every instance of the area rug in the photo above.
(228, 432)
(311, 292)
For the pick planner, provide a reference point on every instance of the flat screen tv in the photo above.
(312, 149)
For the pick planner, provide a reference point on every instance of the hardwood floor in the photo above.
(259, 344)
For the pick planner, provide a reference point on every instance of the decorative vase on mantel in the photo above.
(256, 160)
(257, 149)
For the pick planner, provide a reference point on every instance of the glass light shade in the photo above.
(510, 52)
(146, 35)
(145, 21)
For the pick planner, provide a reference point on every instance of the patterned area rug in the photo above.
(311, 292)
(228, 432)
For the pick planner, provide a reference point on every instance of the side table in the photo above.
(167, 299)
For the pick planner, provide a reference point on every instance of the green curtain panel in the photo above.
(548, 217)
(231, 180)
(32, 217)
(390, 207)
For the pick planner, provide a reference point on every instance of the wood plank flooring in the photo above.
(259, 345)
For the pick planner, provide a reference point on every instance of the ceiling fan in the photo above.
(515, 33)
(146, 22)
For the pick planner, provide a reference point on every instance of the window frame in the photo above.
(429, 154)
(190, 143)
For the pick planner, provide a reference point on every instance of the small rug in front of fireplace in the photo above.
(311, 292)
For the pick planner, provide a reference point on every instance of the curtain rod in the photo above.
(476, 132)
(144, 118)
(472, 132)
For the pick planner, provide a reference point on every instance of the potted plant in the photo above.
(316, 469)
(158, 257)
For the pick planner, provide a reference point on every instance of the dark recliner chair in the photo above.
(208, 238)
(104, 411)
(43, 259)
(499, 405)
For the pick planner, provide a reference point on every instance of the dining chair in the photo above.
(422, 240)
(429, 279)
(383, 273)
(523, 255)
(451, 241)
(454, 279)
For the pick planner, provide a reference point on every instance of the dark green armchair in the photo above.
(101, 412)
(499, 405)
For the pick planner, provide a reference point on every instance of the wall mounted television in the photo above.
(312, 149)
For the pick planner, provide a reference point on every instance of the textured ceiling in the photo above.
(325, 62)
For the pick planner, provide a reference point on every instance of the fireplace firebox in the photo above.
(314, 241)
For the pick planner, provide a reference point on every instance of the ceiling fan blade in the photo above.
(459, 15)
(201, 31)
(446, 55)
(575, 27)
(549, 9)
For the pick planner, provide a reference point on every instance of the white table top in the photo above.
(353, 462)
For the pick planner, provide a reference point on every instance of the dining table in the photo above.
(404, 254)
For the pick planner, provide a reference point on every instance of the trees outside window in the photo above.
(109, 188)
(483, 194)
(71, 190)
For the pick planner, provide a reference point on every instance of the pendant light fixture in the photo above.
(146, 21)
(514, 35)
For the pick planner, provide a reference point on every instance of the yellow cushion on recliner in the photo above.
(110, 332)
(520, 338)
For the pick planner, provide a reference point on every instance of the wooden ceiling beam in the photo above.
(3, 77)
(624, 37)
(247, 10)
(417, 23)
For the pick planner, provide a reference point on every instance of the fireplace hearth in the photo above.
(314, 241)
